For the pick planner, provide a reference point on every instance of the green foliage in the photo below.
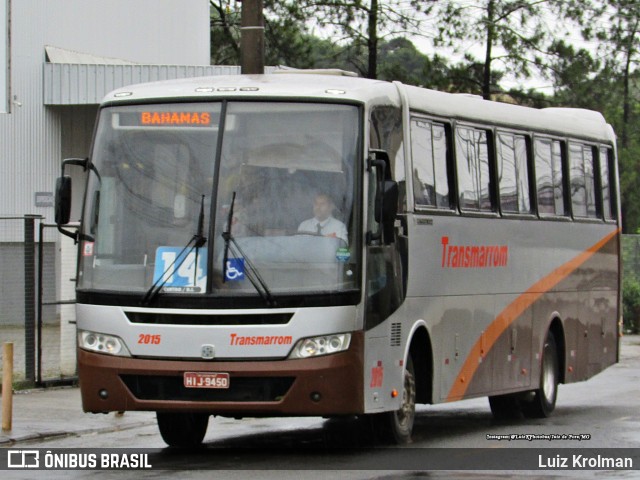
(362, 25)
(400, 60)
(631, 284)
(371, 37)
(631, 305)
(225, 34)
(511, 33)
(286, 39)
(628, 159)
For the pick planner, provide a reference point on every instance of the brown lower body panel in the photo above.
(327, 385)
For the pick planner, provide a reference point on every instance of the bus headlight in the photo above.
(322, 345)
(102, 343)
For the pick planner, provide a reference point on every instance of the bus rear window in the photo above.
(606, 170)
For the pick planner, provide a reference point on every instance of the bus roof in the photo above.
(574, 122)
(279, 86)
(331, 87)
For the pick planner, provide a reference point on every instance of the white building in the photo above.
(58, 58)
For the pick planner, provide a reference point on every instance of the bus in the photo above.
(473, 251)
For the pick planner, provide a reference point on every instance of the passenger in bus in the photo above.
(323, 222)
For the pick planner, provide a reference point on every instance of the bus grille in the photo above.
(242, 389)
(180, 319)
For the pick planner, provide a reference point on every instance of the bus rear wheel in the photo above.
(543, 400)
(182, 429)
(397, 426)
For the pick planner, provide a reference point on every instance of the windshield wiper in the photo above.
(197, 241)
(231, 245)
(226, 236)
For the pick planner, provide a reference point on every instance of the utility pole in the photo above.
(252, 37)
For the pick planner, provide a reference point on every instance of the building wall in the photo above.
(34, 138)
(172, 32)
(145, 31)
(4, 55)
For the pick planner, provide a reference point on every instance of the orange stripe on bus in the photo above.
(512, 312)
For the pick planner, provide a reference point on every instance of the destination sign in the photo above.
(175, 119)
(165, 119)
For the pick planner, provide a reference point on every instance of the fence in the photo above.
(631, 284)
(32, 314)
(631, 256)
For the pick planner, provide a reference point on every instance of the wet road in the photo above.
(604, 410)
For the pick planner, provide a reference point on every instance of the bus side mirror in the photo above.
(386, 198)
(389, 210)
(63, 196)
(63, 200)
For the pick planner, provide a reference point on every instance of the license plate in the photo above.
(206, 380)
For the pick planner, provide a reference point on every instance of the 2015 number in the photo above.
(147, 339)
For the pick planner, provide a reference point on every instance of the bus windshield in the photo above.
(271, 185)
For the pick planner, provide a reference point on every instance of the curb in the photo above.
(8, 440)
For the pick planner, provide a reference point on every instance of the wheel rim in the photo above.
(406, 413)
(549, 384)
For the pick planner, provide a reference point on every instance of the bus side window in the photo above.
(429, 156)
(472, 164)
(513, 175)
(582, 181)
(588, 155)
(549, 181)
(608, 202)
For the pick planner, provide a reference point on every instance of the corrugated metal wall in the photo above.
(72, 84)
(28, 135)
(4, 55)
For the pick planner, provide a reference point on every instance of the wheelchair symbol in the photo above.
(235, 269)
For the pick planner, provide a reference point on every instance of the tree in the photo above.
(286, 38)
(615, 25)
(225, 34)
(362, 24)
(579, 79)
(399, 59)
(511, 32)
(629, 188)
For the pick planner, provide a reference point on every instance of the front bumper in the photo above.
(326, 385)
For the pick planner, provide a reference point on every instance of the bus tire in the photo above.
(543, 400)
(396, 426)
(182, 429)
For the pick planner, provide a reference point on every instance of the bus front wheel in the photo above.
(397, 426)
(182, 429)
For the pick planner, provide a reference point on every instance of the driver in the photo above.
(323, 222)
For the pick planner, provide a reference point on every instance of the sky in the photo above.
(424, 43)
(570, 33)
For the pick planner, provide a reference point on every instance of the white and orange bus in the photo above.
(302, 245)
